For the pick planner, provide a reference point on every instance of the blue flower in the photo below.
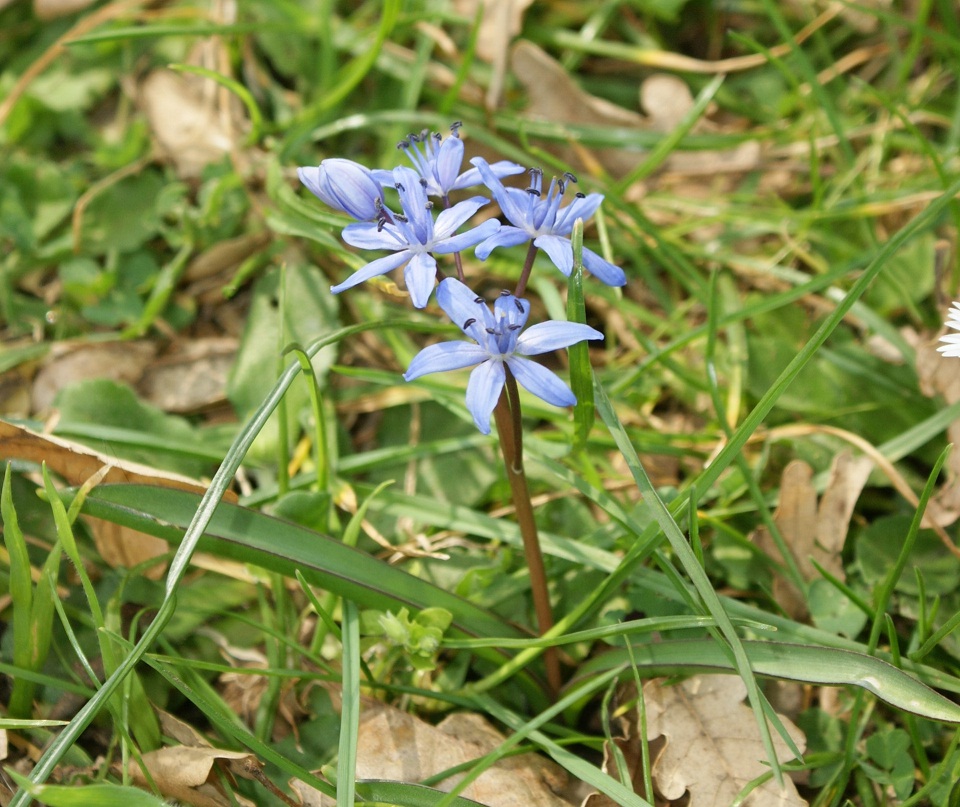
(498, 343)
(414, 236)
(438, 162)
(541, 220)
(346, 186)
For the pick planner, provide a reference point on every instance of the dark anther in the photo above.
(423, 182)
(569, 177)
(491, 331)
(399, 186)
(413, 137)
(561, 185)
(381, 222)
(403, 144)
(429, 205)
(437, 136)
(514, 327)
(533, 192)
(398, 217)
(519, 305)
(536, 172)
(581, 195)
(424, 134)
(479, 300)
(468, 323)
(504, 293)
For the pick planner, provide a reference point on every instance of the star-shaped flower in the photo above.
(414, 237)
(541, 220)
(346, 186)
(951, 341)
(498, 343)
(438, 161)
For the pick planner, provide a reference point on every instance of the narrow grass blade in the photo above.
(580, 375)
(688, 560)
(350, 706)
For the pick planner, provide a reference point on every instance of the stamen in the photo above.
(479, 300)
(423, 182)
(414, 137)
(581, 195)
(399, 186)
(504, 293)
(533, 191)
(399, 217)
(381, 223)
(403, 144)
(519, 305)
(429, 204)
(468, 323)
(437, 136)
(536, 172)
(514, 327)
(491, 331)
(569, 177)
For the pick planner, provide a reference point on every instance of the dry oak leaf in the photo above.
(812, 531)
(76, 463)
(184, 773)
(397, 746)
(713, 746)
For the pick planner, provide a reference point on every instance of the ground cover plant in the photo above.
(590, 446)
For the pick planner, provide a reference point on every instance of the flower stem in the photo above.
(507, 414)
(525, 272)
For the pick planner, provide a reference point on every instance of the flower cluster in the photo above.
(413, 237)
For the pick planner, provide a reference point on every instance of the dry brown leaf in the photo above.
(190, 378)
(501, 22)
(187, 125)
(814, 532)
(75, 463)
(713, 747)
(397, 746)
(184, 773)
(51, 9)
(71, 362)
(554, 96)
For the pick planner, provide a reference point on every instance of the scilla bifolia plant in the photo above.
(500, 344)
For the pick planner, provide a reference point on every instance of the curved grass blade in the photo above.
(796, 662)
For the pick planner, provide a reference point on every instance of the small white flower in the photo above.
(951, 341)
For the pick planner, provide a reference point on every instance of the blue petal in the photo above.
(483, 392)
(344, 185)
(413, 200)
(552, 335)
(541, 382)
(460, 242)
(367, 235)
(420, 276)
(580, 208)
(378, 267)
(450, 219)
(503, 168)
(559, 250)
(504, 237)
(460, 304)
(447, 166)
(509, 203)
(442, 357)
(602, 270)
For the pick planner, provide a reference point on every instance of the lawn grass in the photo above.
(787, 220)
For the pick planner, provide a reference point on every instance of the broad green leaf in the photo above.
(795, 662)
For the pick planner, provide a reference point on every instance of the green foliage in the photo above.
(418, 638)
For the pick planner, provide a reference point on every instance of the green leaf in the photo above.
(795, 662)
(103, 795)
(251, 537)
